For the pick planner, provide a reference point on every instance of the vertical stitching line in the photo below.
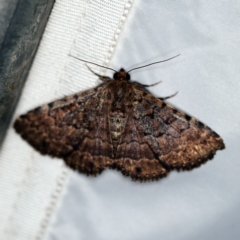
(54, 199)
(125, 14)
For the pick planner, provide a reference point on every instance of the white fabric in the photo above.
(201, 204)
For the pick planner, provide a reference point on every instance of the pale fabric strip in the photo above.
(31, 184)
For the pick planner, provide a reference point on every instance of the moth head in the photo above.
(121, 75)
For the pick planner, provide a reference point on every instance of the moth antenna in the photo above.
(92, 63)
(154, 63)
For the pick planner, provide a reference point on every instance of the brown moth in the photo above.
(119, 125)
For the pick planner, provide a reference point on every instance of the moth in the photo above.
(121, 125)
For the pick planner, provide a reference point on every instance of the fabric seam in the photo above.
(115, 38)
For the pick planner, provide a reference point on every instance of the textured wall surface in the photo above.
(22, 24)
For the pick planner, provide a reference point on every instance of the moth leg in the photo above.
(151, 85)
(164, 98)
(102, 78)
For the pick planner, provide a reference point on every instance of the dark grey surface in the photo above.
(22, 24)
(7, 8)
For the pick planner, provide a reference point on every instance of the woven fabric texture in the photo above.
(31, 184)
